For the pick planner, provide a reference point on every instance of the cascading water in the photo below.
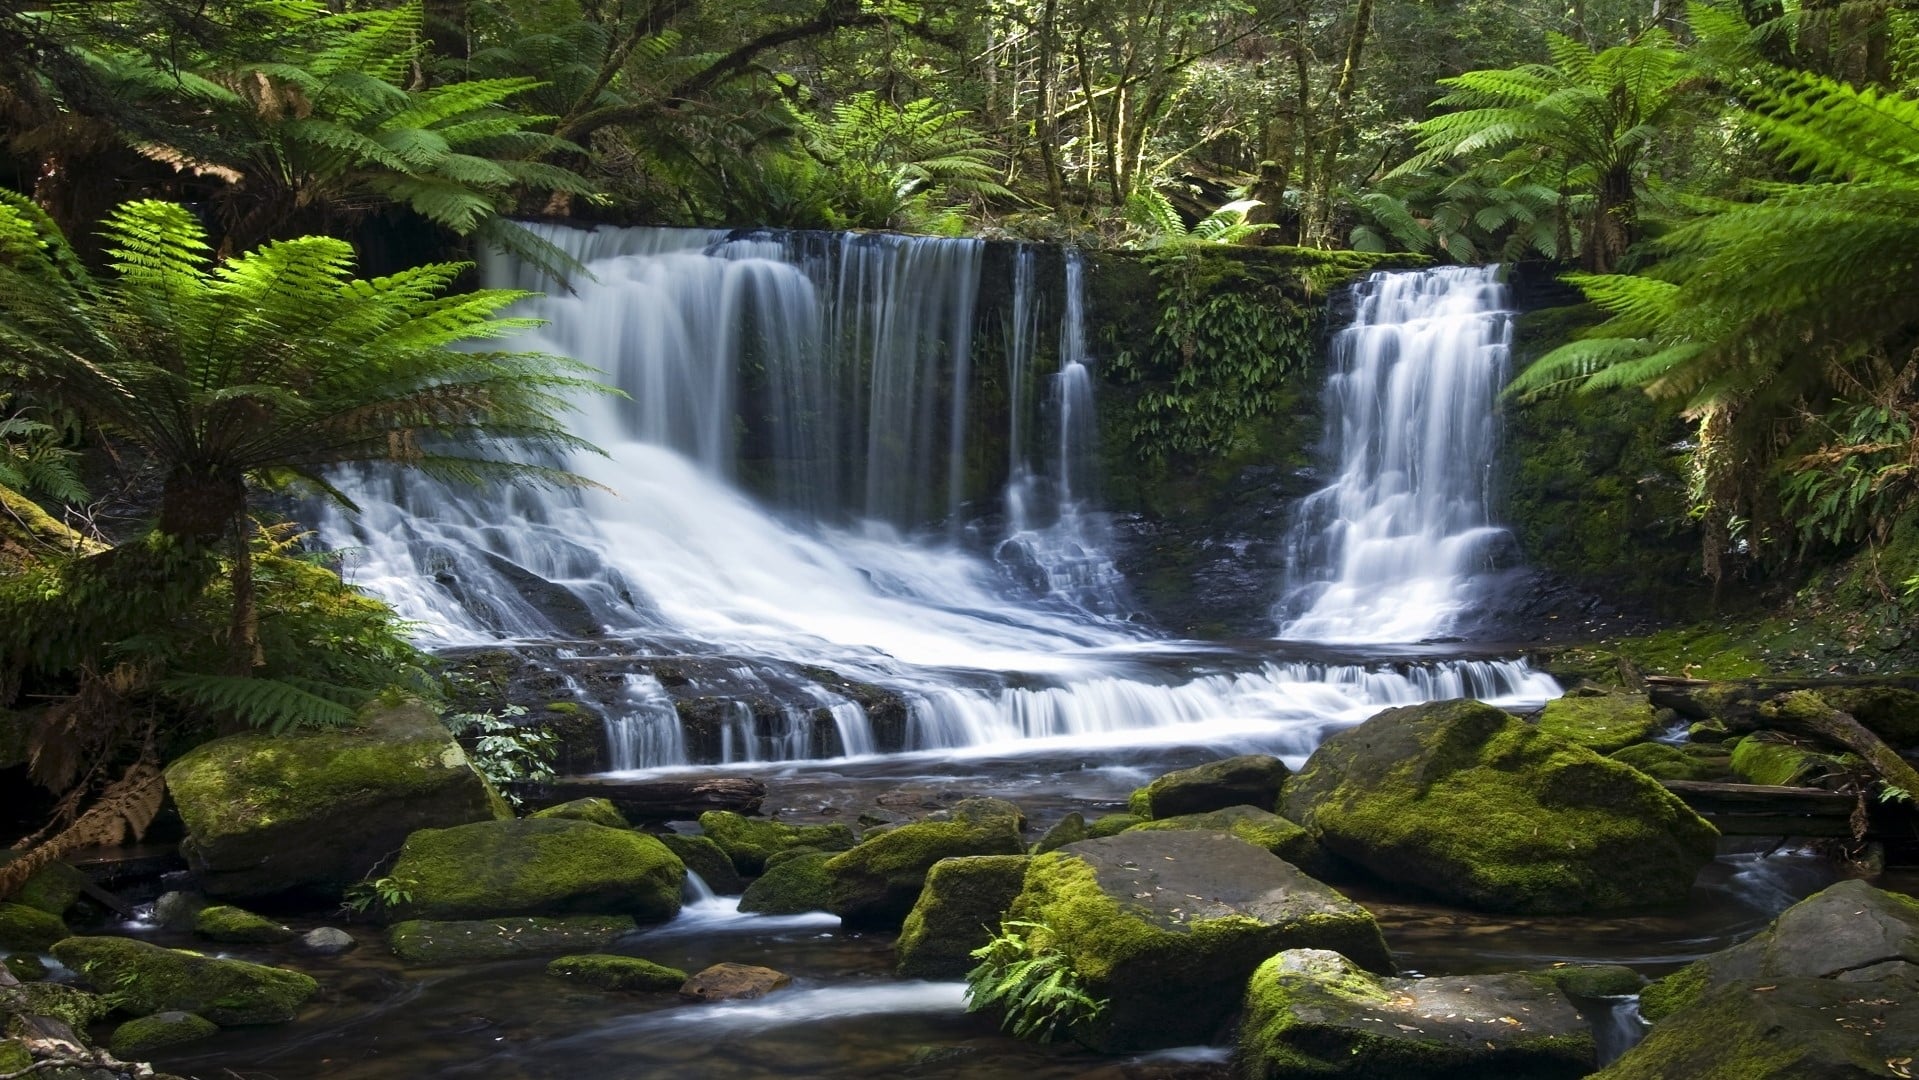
(1388, 552)
(830, 372)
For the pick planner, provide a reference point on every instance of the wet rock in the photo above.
(146, 979)
(1257, 827)
(467, 941)
(596, 811)
(748, 841)
(733, 982)
(1463, 802)
(607, 971)
(1070, 830)
(29, 929)
(27, 967)
(534, 866)
(1310, 1012)
(1247, 780)
(317, 811)
(1601, 722)
(1169, 925)
(140, 1037)
(53, 888)
(239, 926)
(794, 882)
(877, 882)
(178, 910)
(326, 941)
(958, 911)
(704, 857)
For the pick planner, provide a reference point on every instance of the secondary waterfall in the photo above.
(1388, 551)
(782, 499)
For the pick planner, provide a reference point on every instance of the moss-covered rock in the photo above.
(1314, 1013)
(70, 1005)
(1461, 801)
(28, 929)
(1247, 780)
(1793, 1029)
(317, 811)
(53, 888)
(597, 811)
(1070, 830)
(748, 841)
(1594, 980)
(1662, 761)
(1760, 760)
(537, 866)
(472, 941)
(704, 857)
(877, 882)
(1259, 828)
(958, 911)
(607, 971)
(1111, 825)
(793, 883)
(27, 967)
(147, 979)
(1602, 722)
(225, 923)
(1167, 926)
(14, 1056)
(140, 1037)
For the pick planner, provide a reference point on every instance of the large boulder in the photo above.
(53, 888)
(146, 979)
(958, 911)
(1463, 802)
(1246, 780)
(1168, 926)
(28, 929)
(1602, 722)
(876, 883)
(748, 841)
(1257, 827)
(316, 812)
(792, 884)
(142, 1035)
(472, 941)
(537, 866)
(1313, 1013)
(704, 857)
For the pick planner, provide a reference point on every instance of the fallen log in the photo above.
(656, 799)
(1806, 713)
(1764, 810)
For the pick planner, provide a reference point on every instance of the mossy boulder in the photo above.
(958, 911)
(1167, 926)
(1602, 722)
(140, 1037)
(1111, 825)
(27, 967)
(606, 971)
(597, 811)
(877, 882)
(1759, 760)
(317, 811)
(223, 922)
(537, 866)
(70, 1005)
(1071, 829)
(1246, 780)
(1257, 827)
(53, 888)
(1461, 801)
(29, 929)
(704, 857)
(749, 840)
(146, 979)
(1314, 1013)
(473, 941)
(1663, 761)
(1593, 980)
(1849, 931)
(793, 883)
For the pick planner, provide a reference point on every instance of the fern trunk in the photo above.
(201, 508)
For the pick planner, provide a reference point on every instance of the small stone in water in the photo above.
(733, 982)
(326, 941)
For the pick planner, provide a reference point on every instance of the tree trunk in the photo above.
(1322, 195)
(243, 634)
(199, 508)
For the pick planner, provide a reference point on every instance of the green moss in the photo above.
(14, 1056)
(472, 941)
(1720, 1039)
(795, 881)
(70, 1005)
(876, 883)
(1699, 652)
(1112, 824)
(1246, 780)
(224, 923)
(28, 929)
(1765, 761)
(535, 866)
(1140, 805)
(1890, 712)
(704, 857)
(1676, 991)
(1071, 829)
(1663, 762)
(1594, 980)
(596, 811)
(956, 913)
(146, 979)
(140, 1037)
(1601, 722)
(1283, 838)
(748, 841)
(565, 708)
(26, 967)
(606, 971)
(53, 888)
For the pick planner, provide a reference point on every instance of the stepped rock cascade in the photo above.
(1389, 550)
(781, 494)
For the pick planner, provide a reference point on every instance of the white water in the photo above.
(1389, 550)
(834, 363)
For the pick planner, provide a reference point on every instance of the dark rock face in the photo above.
(1247, 780)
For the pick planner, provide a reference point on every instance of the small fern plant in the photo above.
(505, 751)
(1158, 224)
(1033, 986)
(376, 895)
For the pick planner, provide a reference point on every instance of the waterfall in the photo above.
(778, 496)
(1388, 551)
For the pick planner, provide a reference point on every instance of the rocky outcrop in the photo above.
(957, 912)
(1461, 801)
(877, 882)
(146, 979)
(1313, 1013)
(316, 812)
(1247, 780)
(537, 867)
